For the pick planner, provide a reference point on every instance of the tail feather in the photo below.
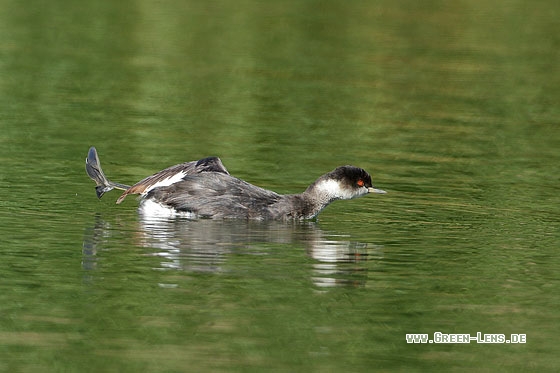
(94, 171)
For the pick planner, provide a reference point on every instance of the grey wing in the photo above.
(209, 164)
(216, 196)
(175, 174)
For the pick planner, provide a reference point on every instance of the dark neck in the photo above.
(306, 205)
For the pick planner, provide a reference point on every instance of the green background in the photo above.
(453, 107)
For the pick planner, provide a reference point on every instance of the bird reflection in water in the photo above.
(204, 246)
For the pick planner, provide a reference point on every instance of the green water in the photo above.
(453, 107)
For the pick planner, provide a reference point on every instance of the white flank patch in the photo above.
(150, 208)
(166, 182)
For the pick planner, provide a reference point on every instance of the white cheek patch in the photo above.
(333, 189)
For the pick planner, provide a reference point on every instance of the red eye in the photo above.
(360, 183)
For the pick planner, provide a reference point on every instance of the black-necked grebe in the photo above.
(205, 189)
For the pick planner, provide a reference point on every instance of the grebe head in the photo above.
(345, 182)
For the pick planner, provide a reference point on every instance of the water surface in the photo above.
(452, 107)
